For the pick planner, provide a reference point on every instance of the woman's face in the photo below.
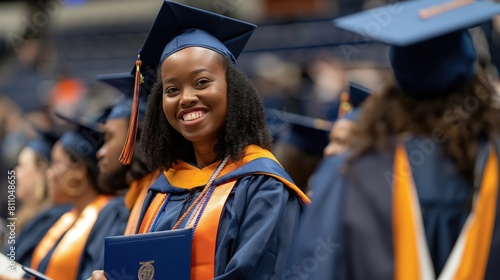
(59, 175)
(30, 177)
(111, 170)
(195, 94)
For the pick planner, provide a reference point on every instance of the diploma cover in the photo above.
(148, 256)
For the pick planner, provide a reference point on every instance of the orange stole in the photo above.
(56, 231)
(152, 212)
(205, 235)
(478, 242)
(404, 229)
(475, 237)
(135, 201)
(65, 260)
(182, 175)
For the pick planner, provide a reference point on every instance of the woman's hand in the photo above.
(97, 275)
(9, 277)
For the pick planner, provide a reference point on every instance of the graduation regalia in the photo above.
(258, 219)
(74, 246)
(35, 230)
(124, 83)
(243, 221)
(352, 213)
(407, 212)
(134, 200)
(84, 236)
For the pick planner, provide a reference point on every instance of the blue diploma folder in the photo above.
(156, 255)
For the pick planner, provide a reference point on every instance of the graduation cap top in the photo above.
(85, 140)
(431, 49)
(175, 28)
(124, 83)
(178, 26)
(44, 143)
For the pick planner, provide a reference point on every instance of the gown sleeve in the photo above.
(256, 229)
(316, 253)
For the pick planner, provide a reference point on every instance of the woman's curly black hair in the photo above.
(245, 124)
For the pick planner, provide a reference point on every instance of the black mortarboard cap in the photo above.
(177, 27)
(124, 83)
(83, 141)
(44, 142)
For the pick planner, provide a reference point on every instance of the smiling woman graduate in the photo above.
(205, 127)
(418, 196)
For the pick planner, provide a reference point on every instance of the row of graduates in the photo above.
(402, 204)
(216, 148)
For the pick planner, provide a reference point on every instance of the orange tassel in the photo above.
(345, 105)
(128, 148)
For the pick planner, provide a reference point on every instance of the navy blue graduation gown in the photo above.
(35, 230)
(347, 231)
(111, 221)
(257, 223)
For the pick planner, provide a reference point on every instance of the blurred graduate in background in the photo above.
(74, 245)
(37, 213)
(113, 174)
(342, 133)
(33, 161)
(417, 196)
(301, 145)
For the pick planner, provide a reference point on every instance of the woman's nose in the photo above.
(188, 98)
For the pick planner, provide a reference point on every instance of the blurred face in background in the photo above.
(329, 79)
(340, 137)
(66, 179)
(30, 175)
(112, 172)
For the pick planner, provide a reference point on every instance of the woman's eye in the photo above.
(202, 82)
(171, 90)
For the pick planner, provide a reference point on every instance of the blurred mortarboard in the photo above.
(286, 117)
(311, 134)
(352, 115)
(85, 140)
(124, 83)
(308, 134)
(44, 142)
(352, 100)
(177, 27)
(358, 94)
(432, 51)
